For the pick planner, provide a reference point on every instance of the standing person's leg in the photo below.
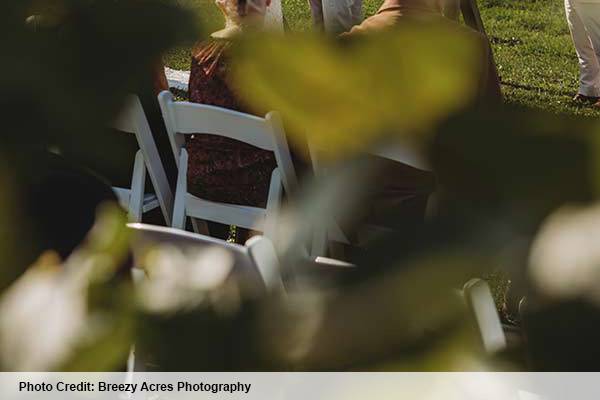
(316, 10)
(578, 20)
(451, 9)
(341, 15)
(356, 14)
(274, 18)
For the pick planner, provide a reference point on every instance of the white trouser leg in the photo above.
(589, 69)
(274, 17)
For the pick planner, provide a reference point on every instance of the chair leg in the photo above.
(265, 259)
(138, 180)
(318, 247)
(200, 226)
(179, 213)
(337, 251)
(431, 209)
(179, 216)
(130, 364)
(273, 206)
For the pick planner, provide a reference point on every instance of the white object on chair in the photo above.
(135, 199)
(480, 301)
(184, 118)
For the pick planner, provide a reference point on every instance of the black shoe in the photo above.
(582, 99)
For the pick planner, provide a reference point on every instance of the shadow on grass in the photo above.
(537, 88)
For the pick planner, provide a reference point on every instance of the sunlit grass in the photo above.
(534, 53)
(531, 43)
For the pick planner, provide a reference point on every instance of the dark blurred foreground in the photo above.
(505, 177)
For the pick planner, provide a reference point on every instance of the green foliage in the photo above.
(530, 39)
(84, 298)
(502, 173)
(541, 69)
(346, 96)
(71, 66)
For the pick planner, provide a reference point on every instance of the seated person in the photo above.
(58, 206)
(115, 163)
(342, 14)
(110, 154)
(394, 12)
(223, 169)
(399, 200)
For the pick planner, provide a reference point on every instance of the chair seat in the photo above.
(228, 214)
(150, 202)
(150, 199)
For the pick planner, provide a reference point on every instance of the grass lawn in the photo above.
(530, 38)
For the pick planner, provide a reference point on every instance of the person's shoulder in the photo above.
(209, 43)
(375, 23)
(210, 50)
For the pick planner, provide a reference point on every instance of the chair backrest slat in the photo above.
(483, 308)
(192, 118)
(185, 118)
(282, 153)
(133, 120)
(125, 122)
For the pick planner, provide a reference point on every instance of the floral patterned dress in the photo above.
(223, 169)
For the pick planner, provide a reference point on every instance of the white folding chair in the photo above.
(183, 118)
(257, 256)
(135, 199)
(480, 302)
(331, 231)
(257, 261)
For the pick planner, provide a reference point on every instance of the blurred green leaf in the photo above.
(345, 96)
(71, 64)
(87, 300)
